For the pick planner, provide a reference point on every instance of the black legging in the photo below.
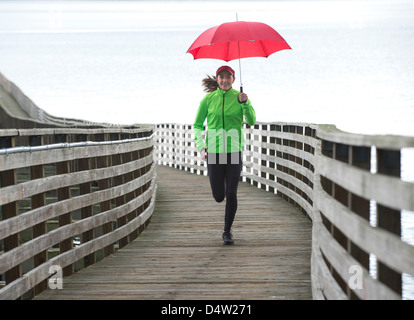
(224, 173)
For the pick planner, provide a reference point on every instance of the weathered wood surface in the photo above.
(180, 255)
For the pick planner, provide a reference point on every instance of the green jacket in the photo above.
(224, 116)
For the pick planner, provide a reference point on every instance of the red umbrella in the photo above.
(235, 40)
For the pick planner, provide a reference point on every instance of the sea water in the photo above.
(125, 62)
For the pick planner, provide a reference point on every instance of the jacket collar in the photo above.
(222, 92)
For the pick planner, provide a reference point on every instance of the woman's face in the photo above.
(225, 80)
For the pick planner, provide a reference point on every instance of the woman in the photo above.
(224, 108)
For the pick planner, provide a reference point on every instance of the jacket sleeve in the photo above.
(249, 113)
(198, 126)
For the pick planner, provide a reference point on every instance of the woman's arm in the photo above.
(198, 125)
(248, 112)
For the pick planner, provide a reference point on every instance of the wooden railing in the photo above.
(68, 198)
(341, 181)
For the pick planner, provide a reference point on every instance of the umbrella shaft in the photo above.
(241, 83)
(238, 46)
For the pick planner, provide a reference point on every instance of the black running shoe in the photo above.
(228, 238)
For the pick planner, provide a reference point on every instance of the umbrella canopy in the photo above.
(235, 40)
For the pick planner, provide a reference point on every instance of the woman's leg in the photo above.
(233, 170)
(224, 180)
(216, 175)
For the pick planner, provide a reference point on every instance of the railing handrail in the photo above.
(70, 145)
(59, 131)
(391, 142)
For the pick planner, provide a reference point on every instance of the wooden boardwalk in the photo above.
(180, 255)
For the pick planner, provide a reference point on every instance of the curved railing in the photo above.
(342, 182)
(68, 198)
(72, 196)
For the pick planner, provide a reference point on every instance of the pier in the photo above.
(98, 211)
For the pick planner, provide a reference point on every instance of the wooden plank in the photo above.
(180, 255)
(30, 218)
(387, 247)
(21, 285)
(384, 189)
(341, 261)
(26, 250)
(66, 131)
(393, 142)
(64, 179)
(20, 160)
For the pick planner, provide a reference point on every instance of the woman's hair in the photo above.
(209, 83)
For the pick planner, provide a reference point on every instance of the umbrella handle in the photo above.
(238, 97)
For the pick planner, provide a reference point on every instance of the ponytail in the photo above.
(209, 83)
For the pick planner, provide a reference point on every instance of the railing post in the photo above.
(279, 154)
(196, 154)
(187, 145)
(360, 157)
(38, 200)
(127, 157)
(119, 180)
(63, 194)
(272, 153)
(103, 162)
(341, 153)
(9, 210)
(248, 149)
(389, 163)
(255, 160)
(85, 188)
(263, 152)
(161, 142)
(284, 169)
(298, 130)
(137, 192)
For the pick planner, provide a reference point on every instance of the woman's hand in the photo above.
(204, 153)
(242, 98)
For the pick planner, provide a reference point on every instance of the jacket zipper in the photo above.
(224, 130)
